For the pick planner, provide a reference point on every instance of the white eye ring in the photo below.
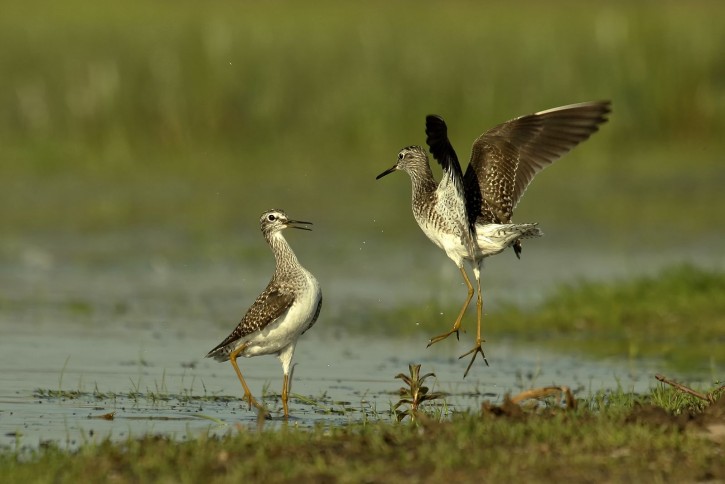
(271, 218)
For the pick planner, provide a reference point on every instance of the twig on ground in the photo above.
(708, 397)
(546, 392)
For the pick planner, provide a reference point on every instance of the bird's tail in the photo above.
(509, 232)
(220, 353)
(493, 238)
(527, 231)
(528, 234)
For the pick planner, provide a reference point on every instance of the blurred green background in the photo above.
(136, 130)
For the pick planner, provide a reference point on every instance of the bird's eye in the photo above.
(271, 218)
(400, 155)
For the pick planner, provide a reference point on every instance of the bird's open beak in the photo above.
(387, 172)
(299, 224)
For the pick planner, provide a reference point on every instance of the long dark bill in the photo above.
(386, 172)
(299, 224)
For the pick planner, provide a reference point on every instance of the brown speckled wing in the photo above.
(506, 158)
(267, 308)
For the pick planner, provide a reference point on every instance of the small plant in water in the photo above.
(415, 394)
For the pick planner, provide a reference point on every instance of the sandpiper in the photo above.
(287, 308)
(469, 216)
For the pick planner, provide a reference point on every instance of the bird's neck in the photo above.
(424, 185)
(284, 258)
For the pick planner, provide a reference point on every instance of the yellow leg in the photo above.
(479, 314)
(285, 395)
(457, 324)
(247, 394)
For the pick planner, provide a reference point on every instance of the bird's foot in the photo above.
(252, 402)
(441, 337)
(476, 350)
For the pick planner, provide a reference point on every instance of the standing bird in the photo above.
(287, 308)
(469, 216)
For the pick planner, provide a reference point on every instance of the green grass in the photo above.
(611, 437)
(141, 115)
(676, 316)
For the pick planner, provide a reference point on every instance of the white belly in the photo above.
(450, 243)
(491, 239)
(288, 327)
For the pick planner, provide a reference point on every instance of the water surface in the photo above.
(126, 334)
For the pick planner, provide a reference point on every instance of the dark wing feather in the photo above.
(268, 306)
(506, 158)
(442, 150)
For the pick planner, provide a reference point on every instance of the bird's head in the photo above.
(276, 220)
(410, 158)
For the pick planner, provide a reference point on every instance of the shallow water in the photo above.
(155, 380)
(128, 335)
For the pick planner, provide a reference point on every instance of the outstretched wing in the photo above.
(442, 150)
(506, 158)
(267, 308)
